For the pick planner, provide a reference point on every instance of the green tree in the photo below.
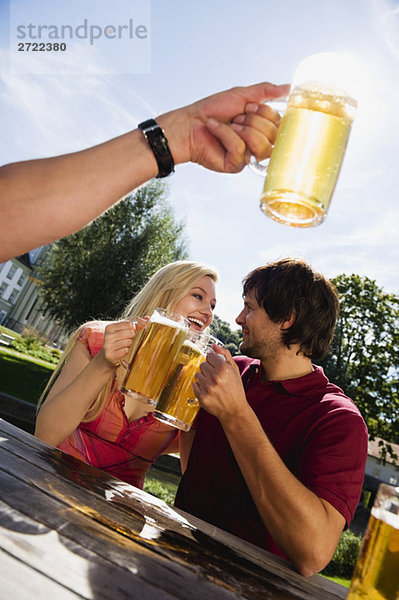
(364, 358)
(231, 339)
(94, 273)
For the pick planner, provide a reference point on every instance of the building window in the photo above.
(3, 289)
(34, 254)
(3, 315)
(30, 310)
(21, 280)
(11, 272)
(13, 296)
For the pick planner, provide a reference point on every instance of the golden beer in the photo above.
(173, 405)
(307, 156)
(153, 359)
(376, 575)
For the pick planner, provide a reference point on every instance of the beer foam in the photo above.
(326, 90)
(385, 515)
(165, 320)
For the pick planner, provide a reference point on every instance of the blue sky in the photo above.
(196, 49)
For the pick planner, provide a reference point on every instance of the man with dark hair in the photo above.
(278, 455)
(290, 288)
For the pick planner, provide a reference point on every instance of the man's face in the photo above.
(261, 336)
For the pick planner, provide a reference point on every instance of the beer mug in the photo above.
(154, 356)
(177, 404)
(303, 169)
(376, 573)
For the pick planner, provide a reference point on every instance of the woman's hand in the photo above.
(118, 338)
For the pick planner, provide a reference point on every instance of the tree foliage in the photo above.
(364, 358)
(94, 273)
(345, 556)
(231, 339)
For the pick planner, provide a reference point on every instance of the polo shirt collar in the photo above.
(299, 386)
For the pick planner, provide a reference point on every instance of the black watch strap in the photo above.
(159, 145)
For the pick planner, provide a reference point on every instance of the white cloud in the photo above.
(45, 115)
(361, 252)
(386, 23)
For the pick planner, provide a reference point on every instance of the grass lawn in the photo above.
(23, 376)
(341, 580)
(161, 484)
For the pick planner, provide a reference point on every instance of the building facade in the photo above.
(20, 302)
(379, 470)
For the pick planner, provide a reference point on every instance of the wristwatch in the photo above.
(159, 145)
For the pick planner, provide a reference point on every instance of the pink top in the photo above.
(125, 450)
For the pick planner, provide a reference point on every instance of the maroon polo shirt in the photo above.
(317, 431)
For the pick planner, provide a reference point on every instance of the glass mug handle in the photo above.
(123, 362)
(260, 168)
(213, 340)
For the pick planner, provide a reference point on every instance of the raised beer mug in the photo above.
(376, 573)
(154, 355)
(303, 169)
(177, 405)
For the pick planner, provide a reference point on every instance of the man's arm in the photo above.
(43, 200)
(306, 527)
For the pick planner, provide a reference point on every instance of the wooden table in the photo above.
(68, 531)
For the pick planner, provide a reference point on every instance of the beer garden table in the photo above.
(69, 531)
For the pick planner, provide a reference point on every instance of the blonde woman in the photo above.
(85, 414)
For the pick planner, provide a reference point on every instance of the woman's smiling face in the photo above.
(198, 305)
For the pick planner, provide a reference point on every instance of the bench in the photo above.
(5, 339)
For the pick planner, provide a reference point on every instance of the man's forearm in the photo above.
(294, 516)
(43, 200)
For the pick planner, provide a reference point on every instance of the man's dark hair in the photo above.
(290, 287)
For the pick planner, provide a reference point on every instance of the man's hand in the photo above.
(285, 505)
(43, 200)
(218, 386)
(222, 131)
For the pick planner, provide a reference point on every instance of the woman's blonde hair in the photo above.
(167, 287)
(164, 290)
